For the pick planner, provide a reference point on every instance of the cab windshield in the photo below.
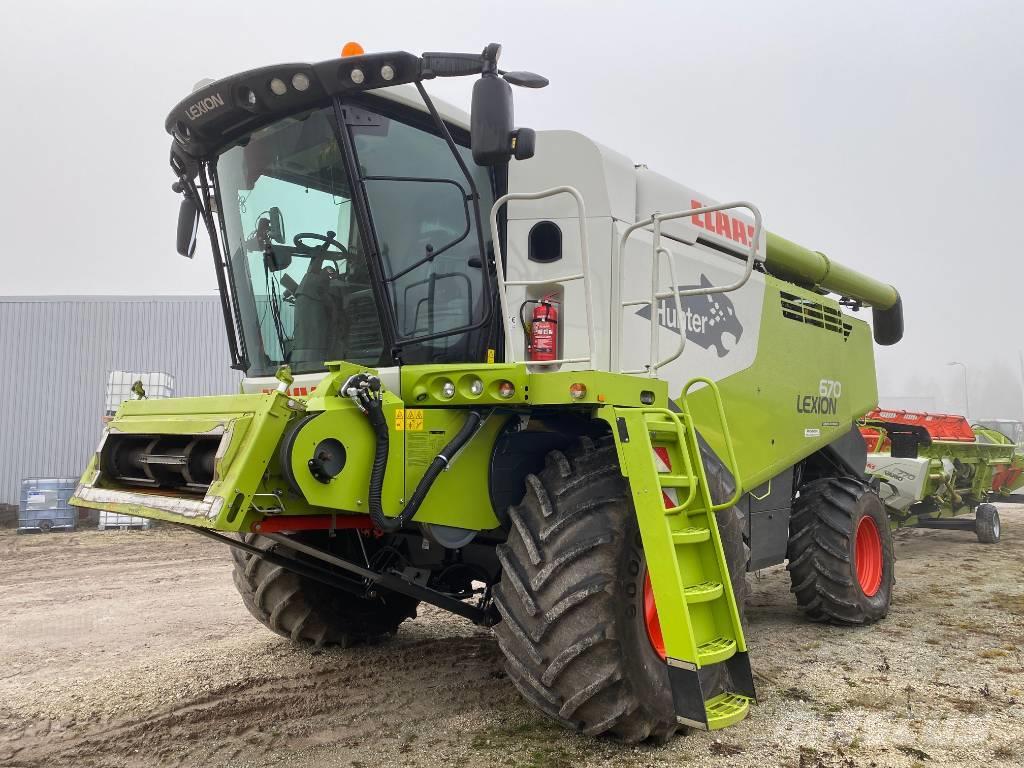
(302, 259)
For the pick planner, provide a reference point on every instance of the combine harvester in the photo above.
(935, 468)
(514, 375)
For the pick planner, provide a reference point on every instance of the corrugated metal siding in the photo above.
(56, 353)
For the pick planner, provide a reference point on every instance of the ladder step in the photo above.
(663, 426)
(674, 481)
(691, 535)
(703, 592)
(714, 651)
(725, 709)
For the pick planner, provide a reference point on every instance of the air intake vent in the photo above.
(812, 313)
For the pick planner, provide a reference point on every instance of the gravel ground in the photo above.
(133, 649)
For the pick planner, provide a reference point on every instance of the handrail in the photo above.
(655, 220)
(733, 467)
(584, 275)
(694, 478)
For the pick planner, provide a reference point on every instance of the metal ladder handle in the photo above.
(692, 476)
(733, 466)
(679, 313)
(748, 264)
(584, 259)
(655, 221)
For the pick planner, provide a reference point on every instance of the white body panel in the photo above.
(902, 481)
(722, 330)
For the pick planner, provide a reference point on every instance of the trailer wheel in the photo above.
(986, 524)
(308, 612)
(577, 640)
(841, 558)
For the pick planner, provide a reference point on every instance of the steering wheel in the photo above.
(325, 240)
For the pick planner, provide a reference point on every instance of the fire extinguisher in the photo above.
(544, 331)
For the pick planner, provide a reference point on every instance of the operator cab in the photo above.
(308, 299)
(346, 225)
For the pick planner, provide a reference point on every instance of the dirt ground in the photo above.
(133, 649)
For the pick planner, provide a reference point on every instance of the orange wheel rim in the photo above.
(867, 556)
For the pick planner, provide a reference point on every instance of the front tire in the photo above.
(308, 612)
(986, 524)
(571, 597)
(841, 558)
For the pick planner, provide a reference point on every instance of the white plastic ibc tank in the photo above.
(119, 387)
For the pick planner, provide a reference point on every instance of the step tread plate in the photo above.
(726, 709)
(715, 651)
(704, 591)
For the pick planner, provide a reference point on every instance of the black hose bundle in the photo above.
(365, 391)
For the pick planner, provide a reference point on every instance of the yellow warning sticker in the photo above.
(399, 419)
(490, 355)
(414, 419)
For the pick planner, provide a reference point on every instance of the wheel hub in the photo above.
(868, 556)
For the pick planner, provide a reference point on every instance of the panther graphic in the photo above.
(707, 318)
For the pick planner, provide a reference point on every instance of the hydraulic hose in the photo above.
(365, 390)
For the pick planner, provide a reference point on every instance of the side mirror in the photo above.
(276, 225)
(188, 227)
(491, 122)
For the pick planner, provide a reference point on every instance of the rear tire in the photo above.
(986, 524)
(841, 559)
(308, 612)
(571, 598)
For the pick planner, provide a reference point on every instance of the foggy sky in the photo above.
(885, 135)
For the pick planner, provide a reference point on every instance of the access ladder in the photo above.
(700, 622)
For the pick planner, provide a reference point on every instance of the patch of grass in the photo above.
(1009, 603)
(532, 733)
(969, 706)
(993, 653)
(550, 757)
(796, 694)
(724, 748)
(871, 700)
(1004, 752)
(910, 751)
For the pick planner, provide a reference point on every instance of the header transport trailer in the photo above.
(933, 469)
(514, 375)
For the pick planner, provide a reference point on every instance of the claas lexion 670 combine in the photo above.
(511, 374)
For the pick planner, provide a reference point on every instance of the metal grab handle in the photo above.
(655, 221)
(692, 476)
(733, 466)
(584, 275)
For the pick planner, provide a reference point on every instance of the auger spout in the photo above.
(793, 262)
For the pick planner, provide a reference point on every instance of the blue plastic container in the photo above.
(43, 505)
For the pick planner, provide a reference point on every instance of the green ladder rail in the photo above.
(660, 456)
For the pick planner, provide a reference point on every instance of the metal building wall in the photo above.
(56, 353)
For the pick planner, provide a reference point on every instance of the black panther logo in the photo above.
(707, 318)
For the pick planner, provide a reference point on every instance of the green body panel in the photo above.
(460, 497)
(771, 405)
(421, 387)
(251, 427)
